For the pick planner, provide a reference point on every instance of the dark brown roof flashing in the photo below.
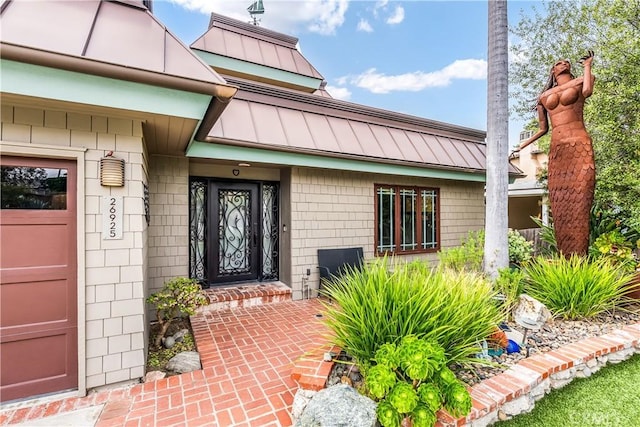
(251, 30)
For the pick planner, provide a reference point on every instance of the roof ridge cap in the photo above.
(252, 30)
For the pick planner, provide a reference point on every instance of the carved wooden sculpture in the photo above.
(572, 173)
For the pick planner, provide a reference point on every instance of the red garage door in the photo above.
(38, 298)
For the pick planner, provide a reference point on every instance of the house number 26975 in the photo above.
(112, 216)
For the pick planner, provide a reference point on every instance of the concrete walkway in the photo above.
(247, 356)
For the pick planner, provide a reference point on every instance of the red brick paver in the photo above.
(247, 356)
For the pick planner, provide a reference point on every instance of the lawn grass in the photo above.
(610, 397)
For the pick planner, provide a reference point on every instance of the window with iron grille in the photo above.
(407, 219)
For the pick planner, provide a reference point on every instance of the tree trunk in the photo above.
(496, 250)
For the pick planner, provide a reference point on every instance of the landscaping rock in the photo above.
(531, 313)
(168, 342)
(300, 401)
(338, 406)
(179, 336)
(186, 361)
(154, 376)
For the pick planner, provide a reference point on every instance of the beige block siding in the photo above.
(168, 253)
(115, 268)
(331, 209)
(321, 208)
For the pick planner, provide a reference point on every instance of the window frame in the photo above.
(397, 189)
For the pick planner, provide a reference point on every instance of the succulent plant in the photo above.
(423, 416)
(403, 397)
(430, 395)
(388, 355)
(457, 400)
(446, 378)
(380, 379)
(388, 416)
(419, 358)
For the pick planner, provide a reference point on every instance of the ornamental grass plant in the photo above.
(577, 287)
(386, 301)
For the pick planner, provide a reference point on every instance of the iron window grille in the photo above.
(407, 219)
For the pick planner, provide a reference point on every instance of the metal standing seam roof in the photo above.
(119, 39)
(236, 39)
(262, 116)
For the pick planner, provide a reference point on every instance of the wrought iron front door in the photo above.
(235, 252)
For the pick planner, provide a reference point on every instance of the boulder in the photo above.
(530, 313)
(338, 406)
(186, 361)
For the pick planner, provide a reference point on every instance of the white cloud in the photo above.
(364, 25)
(320, 16)
(373, 81)
(397, 17)
(339, 92)
(382, 4)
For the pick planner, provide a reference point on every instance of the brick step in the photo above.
(245, 295)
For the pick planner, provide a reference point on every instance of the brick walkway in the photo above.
(247, 356)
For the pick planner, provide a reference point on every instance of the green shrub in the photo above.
(520, 249)
(469, 255)
(549, 246)
(375, 305)
(614, 247)
(576, 287)
(510, 284)
(416, 383)
(179, 296)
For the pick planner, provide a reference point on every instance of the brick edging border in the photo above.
(515, 390)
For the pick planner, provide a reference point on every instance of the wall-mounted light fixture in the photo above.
(111, 171)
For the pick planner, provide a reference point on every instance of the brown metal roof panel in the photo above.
(303, 66)
(469, 158)
(180, 61)
(236, 123)
(452, 152)
(346, 138)
(252, 51)
(367, 139)
(211, 41)
(232, 45)
(386, 142)
(269, 54)
(41, 25)
(137, 42)
(322, 134)
(438, 150)
(407, 149)
(285, 59)
(267, 124)
(477, 153)
(296, 129)
(422, 148)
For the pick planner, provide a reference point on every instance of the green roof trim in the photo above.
(236, 153)
(53, 83)
(219, 61)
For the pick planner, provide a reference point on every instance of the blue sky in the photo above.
(424, 58)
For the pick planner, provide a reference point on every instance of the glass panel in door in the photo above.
(236, 251)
